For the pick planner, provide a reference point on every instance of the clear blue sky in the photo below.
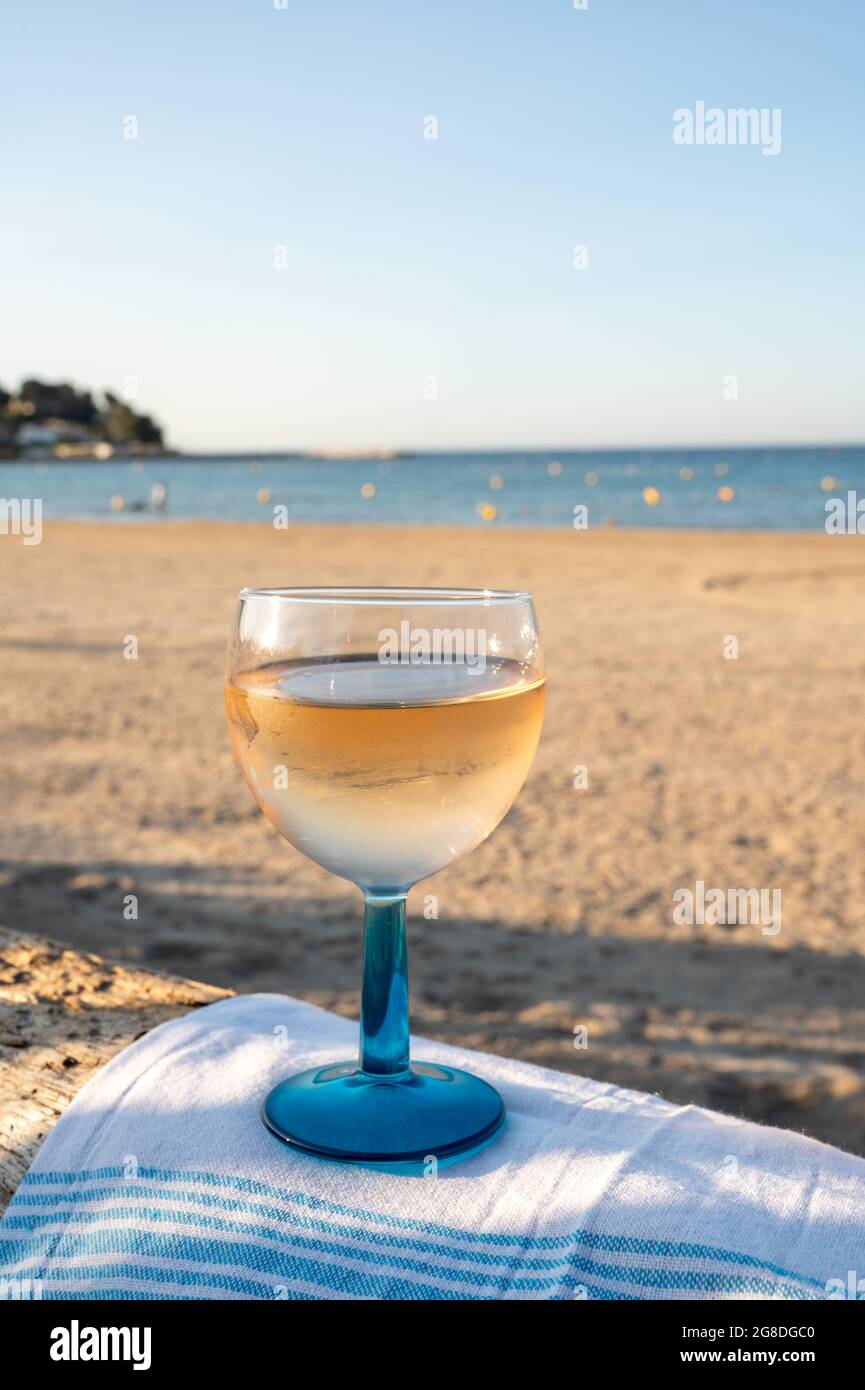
(261, 127)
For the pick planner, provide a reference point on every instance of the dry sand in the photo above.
(117, 779)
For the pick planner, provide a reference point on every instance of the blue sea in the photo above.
(780, 489)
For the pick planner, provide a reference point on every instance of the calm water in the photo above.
(774, 489)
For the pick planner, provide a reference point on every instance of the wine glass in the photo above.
(384, 732)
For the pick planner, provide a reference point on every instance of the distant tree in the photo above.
(7, 422)
(148, 431)
(59, 400)
(123, 425)
(118, 421)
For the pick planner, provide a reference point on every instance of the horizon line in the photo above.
(381, 453)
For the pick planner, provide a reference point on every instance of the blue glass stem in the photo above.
(384, 1025)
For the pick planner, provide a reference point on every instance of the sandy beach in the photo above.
(118, 779)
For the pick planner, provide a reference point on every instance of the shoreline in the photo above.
(129, 520)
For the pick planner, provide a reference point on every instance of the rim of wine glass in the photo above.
(390, 595)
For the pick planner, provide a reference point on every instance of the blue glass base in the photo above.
(342, 1113)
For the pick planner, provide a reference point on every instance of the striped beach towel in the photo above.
(160, 1182)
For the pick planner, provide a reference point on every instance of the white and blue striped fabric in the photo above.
(160, 1182)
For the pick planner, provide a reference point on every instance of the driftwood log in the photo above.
(63, 1014)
